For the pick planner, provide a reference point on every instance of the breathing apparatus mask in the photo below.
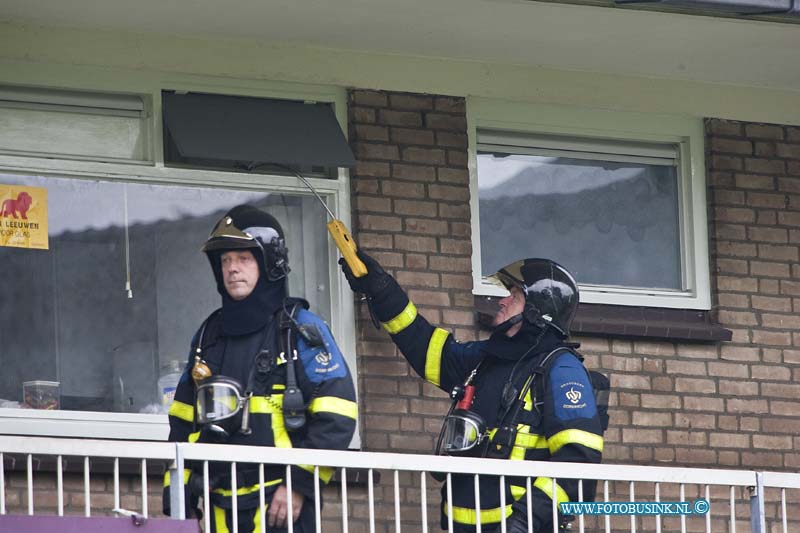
(223, 407)
(463, 431)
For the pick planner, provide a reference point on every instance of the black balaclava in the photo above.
(240, 317)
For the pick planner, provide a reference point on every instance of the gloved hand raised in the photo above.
(375, 281)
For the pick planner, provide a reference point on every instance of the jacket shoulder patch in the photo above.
(571, 389)
(320, 362)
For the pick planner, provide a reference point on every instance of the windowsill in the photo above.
(639, 322)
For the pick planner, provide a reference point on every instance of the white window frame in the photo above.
(149, 86)
(606, 125)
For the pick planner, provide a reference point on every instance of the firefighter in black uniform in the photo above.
(523, 394)
(263, 371)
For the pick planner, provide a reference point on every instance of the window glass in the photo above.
(68, 316)
(610, 222)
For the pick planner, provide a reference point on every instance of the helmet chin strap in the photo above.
(508, 324)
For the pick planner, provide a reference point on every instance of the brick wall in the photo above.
(729, 405)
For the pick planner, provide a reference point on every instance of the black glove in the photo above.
(373, 283)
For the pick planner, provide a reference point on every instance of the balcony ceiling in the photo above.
(522, 32)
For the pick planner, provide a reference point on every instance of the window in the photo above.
(620, 210)
(112, 302)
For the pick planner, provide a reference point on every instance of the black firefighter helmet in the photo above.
(248, 228)
(551, 294)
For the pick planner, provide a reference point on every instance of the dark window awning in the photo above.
(255, 130)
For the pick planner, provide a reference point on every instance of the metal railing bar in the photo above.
(784, 520)
(345, 527)
(30, 484)
(503, 504)
(580, 499)
(317, 504)
(89, 447)
(708, 514)
(397, 501)
(60, 487)
(449, 502)
(423, 487)
(289, 502)
(683, 516)
(234, 499)
(2, 485)
(371, 501)
(633, 499)
(760, 492)
(605, 499)
(144, 488)
(658, 499)
(262, 511)
(733, 509)
(477, 503)
(529, 503)
(781, 480)
(206, 498)
(554, 504)
(86, 488)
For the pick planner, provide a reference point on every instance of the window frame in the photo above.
(335, 192)
(608, 125)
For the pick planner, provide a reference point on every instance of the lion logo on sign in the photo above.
(20, 205)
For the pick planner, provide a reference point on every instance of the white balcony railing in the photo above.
(752, 498)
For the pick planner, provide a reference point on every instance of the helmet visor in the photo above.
(226, 236)
(509, 276)
(217, 401)
(460, 433)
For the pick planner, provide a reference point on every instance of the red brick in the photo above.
(768, 286)
(456, 246)
(765, 149)
(372, 203)
(448, 192)
(736, 405)
(400, 118)
(774, 338)
(741, 301)
(372, 169)
(729, 370)
(775, 201)
(415, 208)
(460, 229)
(729, 440)
(687, 438)
(644, 436)
(691, 368)
(778, 253)
(412, 136)
(780, 321)
(783, 390)
(772, 270)
(738, 388)
(403, 189)
(454, 211)
(695, 420)
(734, 214)
(628, 381)
(420, 173)
(449, 104)
(732, 266)
(653, 348)
(652, 418)
(772, 442)
(692, 385)
(457, 158)
(764, 131)
(457, 281)
(790, 287)
(695, 403)
(698, 351)
(695, 455)
(450, 264)
(739, 318)
(376, 151)
(362, 115)
(417, 261)
(462, 318)
(736, 249)
(410, 102)
(454, 140)
(784, 408)
(724, 197)
(389, 259)
(625, 364)
(726, 162)
(368, 98)
(458, 176)
(430, 156)
(426, 226)
(766, 218)
(730, 231)
(766, 460)
(789, 151)
(379, 223)
(429, 297)
(790, 184)
(786, 218)
(773, 235)
(368, 132)
(754, 181)
(440, 121)
(731, 146)
(415, 243)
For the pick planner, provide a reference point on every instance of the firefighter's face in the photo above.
(239, 273)
(510, 306)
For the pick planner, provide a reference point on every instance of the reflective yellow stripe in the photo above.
(465, 515)
(574, 436)
(182, 410)
(325, 472)
(267, 405)
(193, 437)
(219, 520)
(545, 484)
(433, 360)
(401, 321)
(279, 432)
(241, 491)
(517, 451)
(530, 440)
(186, 474)
(517, 492)
(332, 404)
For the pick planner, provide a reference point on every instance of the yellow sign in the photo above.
(23, 217)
